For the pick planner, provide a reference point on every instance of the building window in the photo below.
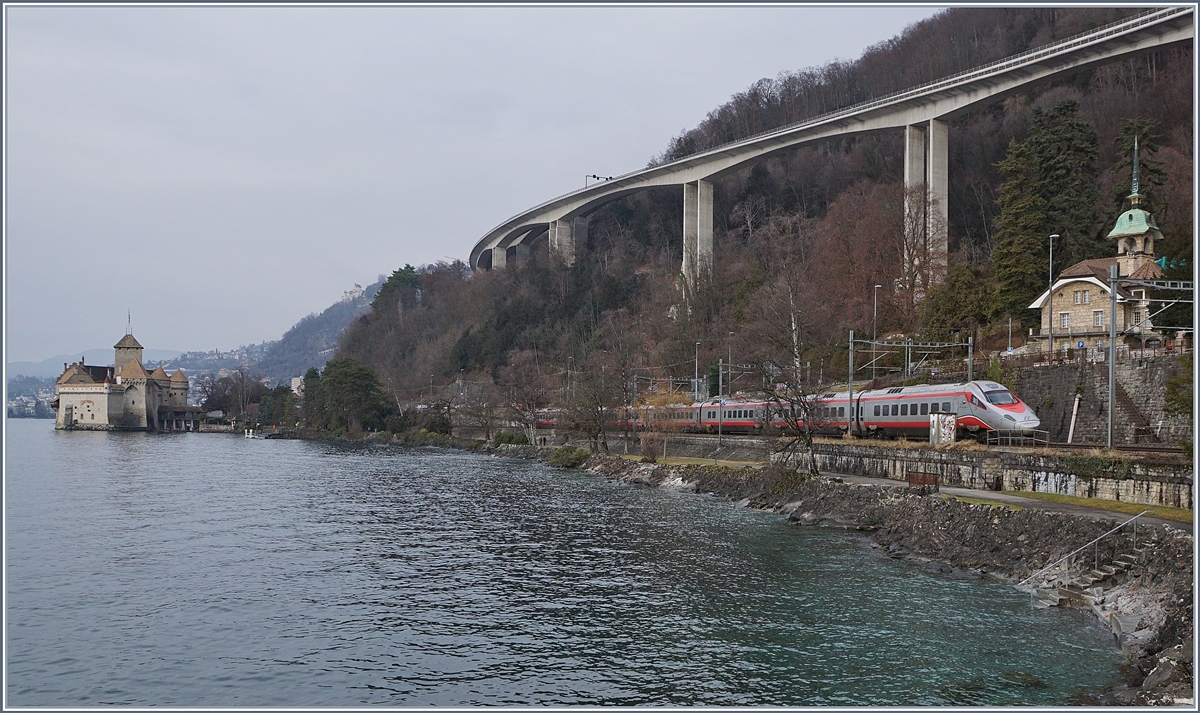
(1064, 319)
(1098, 318)
(1078, 298)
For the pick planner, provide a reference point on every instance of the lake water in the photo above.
(207, 570)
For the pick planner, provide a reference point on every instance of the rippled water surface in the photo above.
(203, 569)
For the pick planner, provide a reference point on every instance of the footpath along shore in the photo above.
(1146, 600)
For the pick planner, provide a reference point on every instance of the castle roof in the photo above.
(127, 342)
(158, 373)
(83, 374)
(133, 370)
(1134, 221)
(178, 376)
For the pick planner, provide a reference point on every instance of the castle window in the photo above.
(1098, 318)
(1064, 320)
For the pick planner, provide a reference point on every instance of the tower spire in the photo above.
(1134, 198)
(129, 313)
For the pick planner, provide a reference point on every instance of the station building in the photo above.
(1079, 306)
(123, 396)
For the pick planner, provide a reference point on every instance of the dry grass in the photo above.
(686, 460)
(982, 501)
(1166, 513)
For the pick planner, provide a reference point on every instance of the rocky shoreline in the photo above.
(1146, 601)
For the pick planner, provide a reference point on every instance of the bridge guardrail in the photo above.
(1101, 32)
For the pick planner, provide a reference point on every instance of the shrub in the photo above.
(516, 439)
(568, 457)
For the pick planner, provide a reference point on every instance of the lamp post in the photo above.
(696, 377)
(1050, 304)
(874, 331)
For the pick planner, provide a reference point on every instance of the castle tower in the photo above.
(125, 351)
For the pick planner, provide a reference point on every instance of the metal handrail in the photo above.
(1080, 549)
(1101, 32)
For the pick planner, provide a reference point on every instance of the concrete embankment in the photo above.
(1146, 598)
(1128, 480)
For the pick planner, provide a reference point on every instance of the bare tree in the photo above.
(480, 404)
(783, 329)
(596, 400)
(526, 391)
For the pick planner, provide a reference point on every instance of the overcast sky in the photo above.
(224, 171)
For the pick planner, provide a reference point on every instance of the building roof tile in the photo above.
(127, 342)
(133, 370)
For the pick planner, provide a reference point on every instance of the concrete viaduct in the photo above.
(922, 112)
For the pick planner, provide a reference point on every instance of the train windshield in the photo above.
(1000, 397)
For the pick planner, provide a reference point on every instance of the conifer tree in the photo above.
(1020, 258)
(1049, 188)
(1150, 172)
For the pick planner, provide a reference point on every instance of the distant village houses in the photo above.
(123, 396)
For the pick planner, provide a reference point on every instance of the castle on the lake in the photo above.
(123, 396)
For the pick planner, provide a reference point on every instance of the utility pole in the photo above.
(970, 358)
(1112, 347)
(850, 390)
(729, 364)
(696, 378)
(1050, 304)
(874, 328)
(720, 400)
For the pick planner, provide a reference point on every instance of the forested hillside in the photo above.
(311, 341)
(801, 241)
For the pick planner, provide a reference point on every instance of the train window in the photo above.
(841, 411)
(1000, 396)
(933, 407)
(924, 409)
(945, 407)
(876, 409)
(903, 409)
(895, 409)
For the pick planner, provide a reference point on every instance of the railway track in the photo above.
(1149, 449)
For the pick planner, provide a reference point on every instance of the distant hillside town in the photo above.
(308, 344)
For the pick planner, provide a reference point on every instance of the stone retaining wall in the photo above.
(1082, 476)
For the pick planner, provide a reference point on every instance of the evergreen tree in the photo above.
(1150, 172)
(966, 299)
(1064, 148)
(352, 396)
(313, 407)
(1022, 243)
(1049, 188)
